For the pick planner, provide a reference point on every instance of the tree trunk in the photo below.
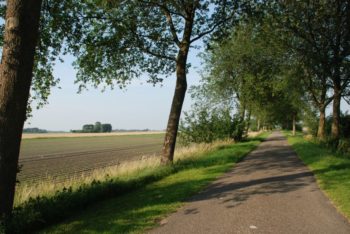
(258, 127)
(20, 39)
(336, 111)
(241, 127)
(176, 107)
(242, 116)
(321, 133)
(248, 122)
(294, 123)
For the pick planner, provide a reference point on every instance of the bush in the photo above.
(341, 146)
(344, 146)
(344, 125)
(204, 126)
(106, 127)
(310, 120)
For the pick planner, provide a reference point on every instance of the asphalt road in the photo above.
(271, 191)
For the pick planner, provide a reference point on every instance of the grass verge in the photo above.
(332, 170)
(139, 210)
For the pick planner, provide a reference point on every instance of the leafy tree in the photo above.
(124, 39)
(106, 127)
(319, 34)
(34, 130)
(253, 68)
(88, 128)
(203, 125)
(97, 127)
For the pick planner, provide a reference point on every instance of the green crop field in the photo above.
(61, 158)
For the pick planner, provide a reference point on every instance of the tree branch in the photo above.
(210, 30)
(171, 25)
(150, 52)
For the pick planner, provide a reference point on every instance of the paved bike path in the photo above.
(270, 191)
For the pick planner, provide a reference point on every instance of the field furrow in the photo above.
(63, 158)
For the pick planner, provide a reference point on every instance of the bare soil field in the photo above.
(68, 134)
(59, 158)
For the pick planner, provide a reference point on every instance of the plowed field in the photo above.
(61, 158)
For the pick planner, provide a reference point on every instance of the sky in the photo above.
(139, 106)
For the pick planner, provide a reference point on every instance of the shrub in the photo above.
(341, 146)
(344, 125)
(344, 146)
(310, 120)
(207, 126)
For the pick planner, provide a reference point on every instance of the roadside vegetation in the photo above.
(331, 169)
(194, 167)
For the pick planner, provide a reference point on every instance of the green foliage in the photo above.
(106, 127)
(60, 29)
(317, 34)
(343, 146)
(253, 71)
(314, 31)
(344, 125)
(98, 127)
(310, 120)
(202, 125)
(88, 128)
(123, 39)
(34, 130)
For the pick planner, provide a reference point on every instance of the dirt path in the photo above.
(271, 191)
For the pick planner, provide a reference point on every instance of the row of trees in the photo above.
(287, 64)
(113, 41)
(34, 130)
(98, 127)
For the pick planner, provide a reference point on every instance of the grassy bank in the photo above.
(332, 170)
(141, 209)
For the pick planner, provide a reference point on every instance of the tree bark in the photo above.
(176, 107)
(294, 124)
(248, 122)
(336, 110)
(20, 39)
(321, 132)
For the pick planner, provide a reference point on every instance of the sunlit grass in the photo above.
(332, 170)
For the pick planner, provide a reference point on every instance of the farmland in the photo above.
(60, 158)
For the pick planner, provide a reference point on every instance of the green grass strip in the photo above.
(140, 210)
(331, 170)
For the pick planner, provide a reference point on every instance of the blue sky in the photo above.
(139, 106)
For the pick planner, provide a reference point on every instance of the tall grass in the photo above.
(48, 186)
